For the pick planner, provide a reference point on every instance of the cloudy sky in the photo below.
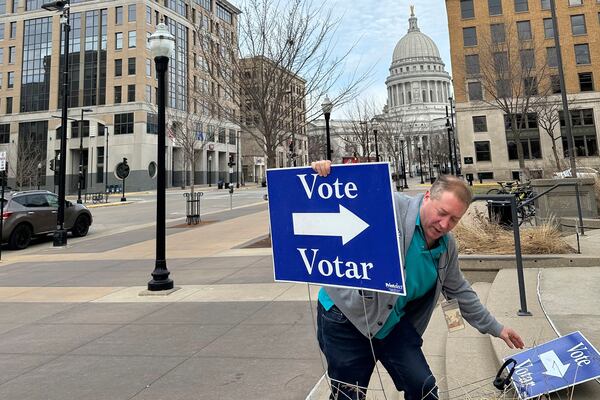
(378, 25)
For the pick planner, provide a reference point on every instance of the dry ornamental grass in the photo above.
(476, 234)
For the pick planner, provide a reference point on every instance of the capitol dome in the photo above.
(415, 45)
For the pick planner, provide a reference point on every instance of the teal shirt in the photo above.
(420, 275)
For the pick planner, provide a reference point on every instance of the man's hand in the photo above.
(511, 338)
(323, 167)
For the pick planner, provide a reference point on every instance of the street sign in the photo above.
(338, 230)
(2, 161)
(555, 365)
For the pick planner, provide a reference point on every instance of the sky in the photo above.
(379, 25)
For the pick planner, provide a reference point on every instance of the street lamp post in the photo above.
(456, 167)
(80, 176)
(237, 164)
(403, 164)
(375, 126)
(162, 44)
(420, 165)
(431, 174)
(106, 163)
(39, 177)
(60, 235)
(327, 106)
(209, 177)
(449, 130)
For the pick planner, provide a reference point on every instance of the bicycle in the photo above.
(523, 194)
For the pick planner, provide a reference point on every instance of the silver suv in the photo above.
(33, 213)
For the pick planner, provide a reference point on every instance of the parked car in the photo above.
(33, 213)
(582, 172)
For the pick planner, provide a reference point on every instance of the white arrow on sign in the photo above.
(553, 365)
(345, 224)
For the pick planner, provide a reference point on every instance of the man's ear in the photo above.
(427, 195)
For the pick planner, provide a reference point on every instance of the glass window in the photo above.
(13, 29)
(118, 96)
(500, 62)
(470, 36)
(9, 105)
(118, 67)
(11, 79)
(152, 123)
(524, 30)
(495, 7)
(551, 57)
(555, 84)
(118, 15)
(480, 123)
(5, 133)
(1, 27)
(527, 59)
(530, 85)
(521, 5)
(119, 40)
(148, 94)
(475, 91)
(148, 67)
(225, 15)
(131, 13)
(498, 33)
(12, 54)
(131, 39)
(482, 151)
(131, 66)
(466, 9)
(575, 2)
(582, 54)
(204, 4)
(472, 64)
(130, 93)
(123, 124)
(148, 15)
(35, 75)
(586, 82)
(578, 24)
(548, 28)
(545, 4)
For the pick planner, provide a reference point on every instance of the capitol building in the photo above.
(418, 92)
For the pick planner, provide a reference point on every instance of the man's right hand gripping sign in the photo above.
(395, 324)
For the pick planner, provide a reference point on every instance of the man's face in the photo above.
(440, 216)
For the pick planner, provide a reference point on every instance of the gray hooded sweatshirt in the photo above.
(418, 312)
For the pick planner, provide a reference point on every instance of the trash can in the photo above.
(499, 211)
(220, 184)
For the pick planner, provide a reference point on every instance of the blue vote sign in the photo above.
(555, 365)
(338, 230)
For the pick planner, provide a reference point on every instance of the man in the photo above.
(358, 327)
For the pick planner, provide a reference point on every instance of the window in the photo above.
(118, 15)
(148, 67)
(500, 62)
(11, 79)
(521, 6)
(1, 30)
(131, 13)
(12, 54)
(503, 88)
(118, 40)
(582, 117)
(480, 123)
(118, 97)
(466, 9)
(575, 2)
(148, 94)
(475, 92)
(204, 4)
(130, 93)
(118, 67)
(5, 133)
(75, 129)
(495, 7)
(152, 123)
(498, 33)
(584, 132)
(99, 164)
(9, 102)
(555, 84)
(131, 66)
(578, 24)
(13, 29)
(548, 28)
(530, 85)
(586, 82)
(524, 30)
(131, 39)
(545, 4)
(123, 123)
(224, 14)
(472, 64)
(582, 54)
(551, 57)
(527, 57)
(470, 36)
(482, 151)
(531, 148)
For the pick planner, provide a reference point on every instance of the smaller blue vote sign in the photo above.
(339, 230)
(555, 365)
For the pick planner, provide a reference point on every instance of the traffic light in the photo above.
(125, 161)
(231, 162)
(52, 164)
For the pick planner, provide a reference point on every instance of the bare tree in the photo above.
(282, 61)
(30, 153)
(360, 139)
(513, 72)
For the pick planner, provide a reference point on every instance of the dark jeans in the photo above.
(350, 359)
